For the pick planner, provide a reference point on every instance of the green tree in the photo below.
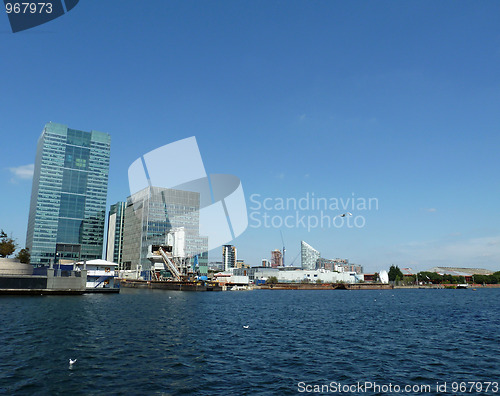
(395, 272)
(432, 277)
(272, 280)
(24, 256)
(7, 245)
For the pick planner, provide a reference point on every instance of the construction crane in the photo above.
(284, 250)
(170, 265)
(296, 257)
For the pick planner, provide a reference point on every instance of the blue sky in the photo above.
(392, 100)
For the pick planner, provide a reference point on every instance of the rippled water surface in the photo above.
(162, 342)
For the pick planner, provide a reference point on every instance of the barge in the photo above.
(171, 285)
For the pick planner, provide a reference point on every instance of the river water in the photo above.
(147, 342)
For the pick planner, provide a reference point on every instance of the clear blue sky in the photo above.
(387, 99)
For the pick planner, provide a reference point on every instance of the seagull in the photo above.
(346, 214)
(246, 327)
(71, 362)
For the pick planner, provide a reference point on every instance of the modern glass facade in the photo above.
(151, 213)
(68, 197)
(116, 222)
(309, 256)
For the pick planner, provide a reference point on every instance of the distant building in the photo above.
(294, 275)
(266, 263)
(116, 223)
(256, 273)
(149, 216)
(276, 258)
(349, 267)
(339, 265)
(229, 257)
(369, 278)
(215, 266)
(241, 264)
(309, 256)
(330, 264)
(314, 276)
(456, 271)
(68, 197)
(407, 271)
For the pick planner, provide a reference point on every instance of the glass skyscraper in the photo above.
(116, 222)
(68, 197)
(154, 211)
(309, 256)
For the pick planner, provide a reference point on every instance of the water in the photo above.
(164, 342)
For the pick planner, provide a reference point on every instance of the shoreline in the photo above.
(449, 286)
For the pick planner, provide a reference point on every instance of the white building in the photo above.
(313, 276)
(308, 256)
(101, 275)
(297, 275)
(229, 256)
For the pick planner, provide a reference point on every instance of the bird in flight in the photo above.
(71, 362)
(246, 327)
(346, 214)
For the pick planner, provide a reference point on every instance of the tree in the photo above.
(395, 272)
(432, 277)
(24, 256)
(272, 280)
(7, 245)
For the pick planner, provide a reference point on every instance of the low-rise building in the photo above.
(101, 275)
(18, 278)
(321, 275)
(298, 275)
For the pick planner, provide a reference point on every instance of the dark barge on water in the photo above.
(171, 285)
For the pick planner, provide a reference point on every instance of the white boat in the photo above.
(462, 286)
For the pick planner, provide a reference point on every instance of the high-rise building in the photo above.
(229, 257)
(276, 258)
(116, 222)
(309, 256)
(68, 197)
(149, 216)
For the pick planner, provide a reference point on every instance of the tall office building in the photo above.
(309, 256)
(116, 220)
(154, 211)
(68, 197)
(229, 257)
